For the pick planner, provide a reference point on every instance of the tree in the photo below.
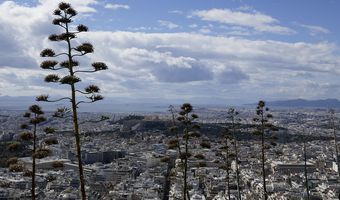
(262, 118)
(232, 116)
(190, 130)
(64, 18)
(34, 117)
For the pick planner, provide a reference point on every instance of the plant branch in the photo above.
(85, 71)
(82, 92)
(74, 55)
(56, 100)
(60, 54)
(80, 102)
(62, 26)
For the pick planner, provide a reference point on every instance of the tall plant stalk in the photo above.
(190, 131)
(262, 118)
(35, 117)
(65, 14)
(232, 114)
(228, 169)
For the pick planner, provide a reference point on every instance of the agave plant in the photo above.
(64, 19)
(34, 116)
(186, 118)
(263, 117)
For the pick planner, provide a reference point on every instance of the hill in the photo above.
(321, 103)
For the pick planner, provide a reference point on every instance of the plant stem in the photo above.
(33, 158)
(237, 160)
(75, 121)
(263, 158)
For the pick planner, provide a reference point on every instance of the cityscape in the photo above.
(130, 156)
(138, 100)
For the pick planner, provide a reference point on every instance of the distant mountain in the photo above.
(117, 104)
(16, 103)
(21, 103)
(321, 103)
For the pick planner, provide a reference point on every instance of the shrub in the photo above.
(165, 159)
(183, 155)
(16, 168)
(200, 156)
(4, 184)
(13, 146)
(205, 145)
(216, 161)
(26, 136)
(28, 173)
(172, 144)
(42, 153)
(57, 164)
(51, 141)
(12, 161)
(202, 164)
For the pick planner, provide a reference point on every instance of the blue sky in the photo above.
(204, 51)
(289, 14)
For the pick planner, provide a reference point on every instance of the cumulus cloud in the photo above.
(181, 48)
(314, 30)
(167, 65)
(168, 24)
(179, 12)
(24, 30)
(232, 76)
(256, 20)
(117, 6)
(213, 63)
(197, 72)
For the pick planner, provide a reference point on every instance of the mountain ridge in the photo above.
(317, 103)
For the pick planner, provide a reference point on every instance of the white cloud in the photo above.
(82, 6)
(246, 8)
(314, 30)
(25, 29)
(204, 30)
(144, 28)
(168, 24)
(134, 49)
(193, 26)
(168, 65)
(179, 12)
(117, 6)
(258, 21)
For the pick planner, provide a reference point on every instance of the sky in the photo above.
(201, 51)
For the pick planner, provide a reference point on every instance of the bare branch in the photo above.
(85, 71)
(75, 32)
(56, 69)
(82, 92)
(82, 102)
(93, 99)
(61, 26)
(56, 100)
(75, 55)
(60, 54)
